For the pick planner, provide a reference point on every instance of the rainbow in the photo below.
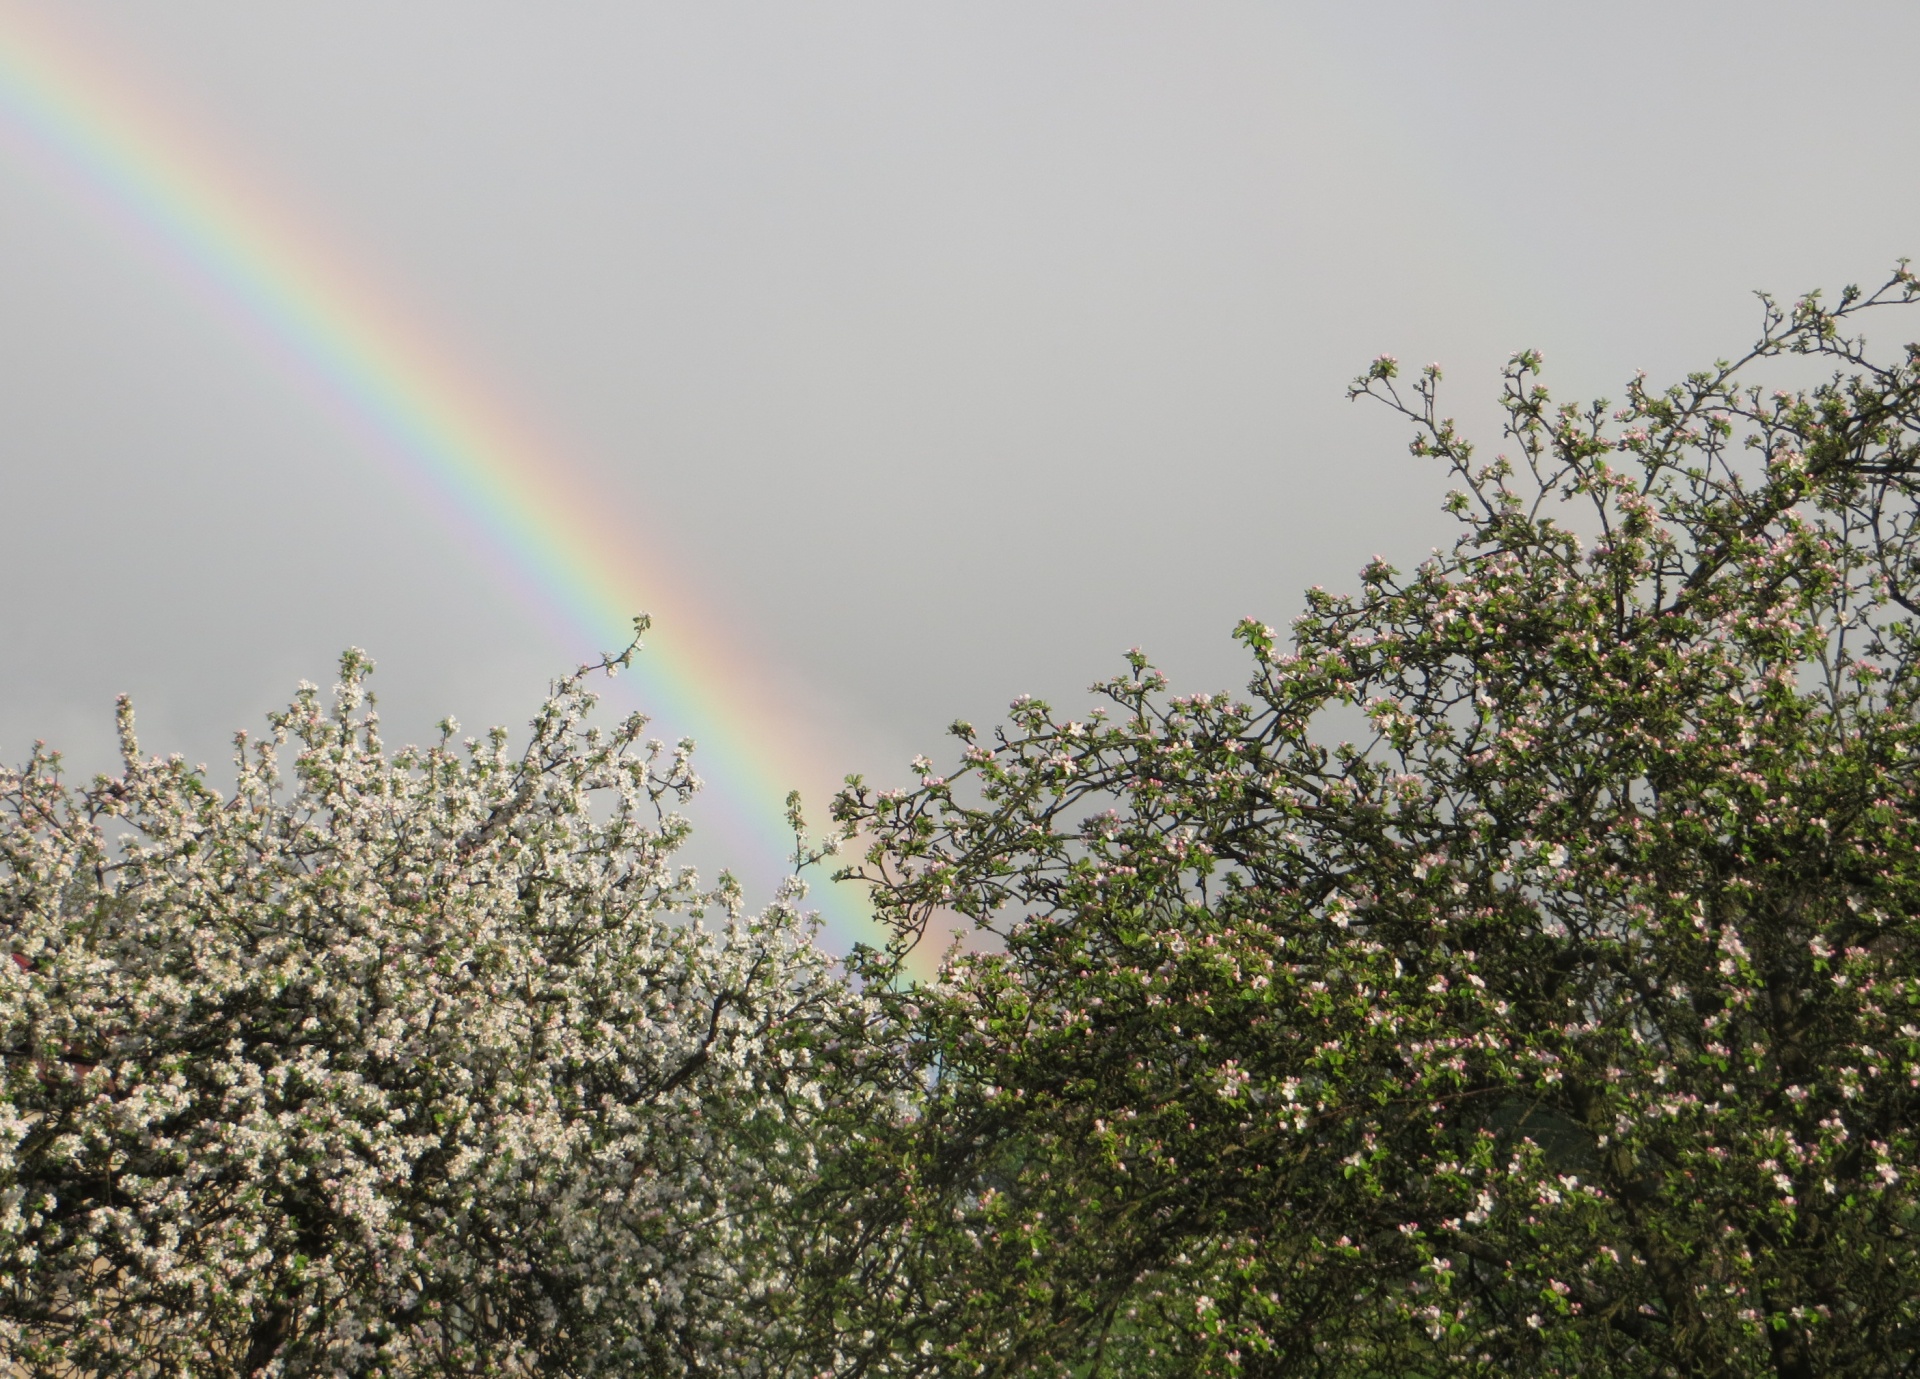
(71, 119)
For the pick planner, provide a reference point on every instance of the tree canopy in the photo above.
(1522, 977)
(411, 1064)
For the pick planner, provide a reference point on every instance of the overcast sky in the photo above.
(948, 350)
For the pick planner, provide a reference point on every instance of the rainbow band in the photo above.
(391, 383)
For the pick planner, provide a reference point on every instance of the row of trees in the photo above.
(1523, 976)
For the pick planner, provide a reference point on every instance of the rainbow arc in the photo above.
(520, 499)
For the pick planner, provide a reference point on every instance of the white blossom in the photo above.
(427, 1062)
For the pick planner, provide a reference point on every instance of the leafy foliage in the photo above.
(412, 1064)
(1566, 1020)
(1522, 977)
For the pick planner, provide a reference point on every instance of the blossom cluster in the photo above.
(398, 1063)
(1522, 977)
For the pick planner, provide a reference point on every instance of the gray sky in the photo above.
(949, 350)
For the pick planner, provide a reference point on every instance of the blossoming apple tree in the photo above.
(1522, 977)
(409, 1063)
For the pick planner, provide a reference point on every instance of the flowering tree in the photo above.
(411, 1064)
(1523, 978)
